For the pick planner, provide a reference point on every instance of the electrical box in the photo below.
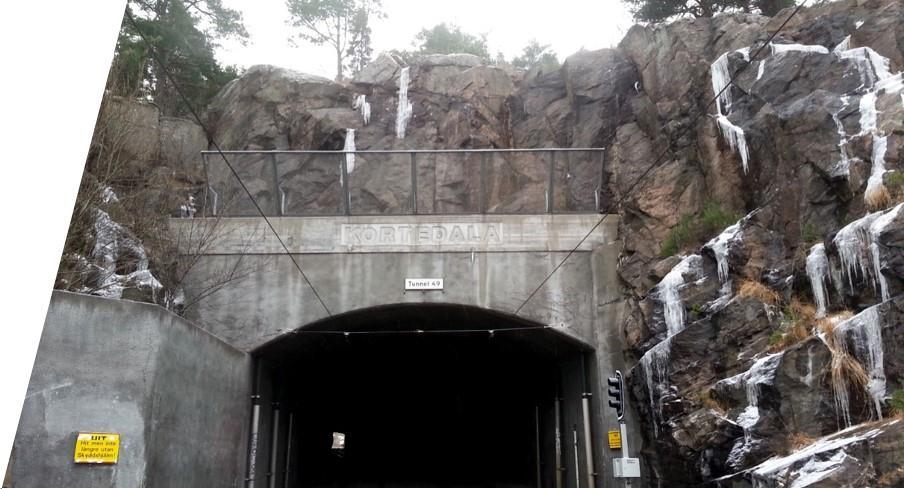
(626, 467)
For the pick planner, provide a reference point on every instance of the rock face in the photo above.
(751, 338)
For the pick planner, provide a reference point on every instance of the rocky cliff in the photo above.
(763, 259)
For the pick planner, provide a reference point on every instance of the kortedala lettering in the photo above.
(422, 234)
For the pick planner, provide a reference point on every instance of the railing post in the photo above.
(206, 188)
(276, 190)
(482, 200)
(552, 180)
(343, 180)
(413, 183)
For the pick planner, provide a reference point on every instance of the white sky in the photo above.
(567, 25)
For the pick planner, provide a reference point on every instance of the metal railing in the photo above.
(406, 182)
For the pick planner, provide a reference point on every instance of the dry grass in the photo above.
(704, 398)
(878, 198)
(848, 371)
(796, 441)
(827, 324)
(800, 318)
(758, 291)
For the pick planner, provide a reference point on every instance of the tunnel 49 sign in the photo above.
(423, 284)
(97, 448)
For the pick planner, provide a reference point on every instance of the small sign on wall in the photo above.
(423, 284)
(614, 439)
(97, 448)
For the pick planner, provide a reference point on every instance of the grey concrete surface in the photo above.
(497, 271)
(176, 394)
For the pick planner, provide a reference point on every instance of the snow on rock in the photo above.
(107, 195)
(804, 48)
(865, 332)
(735, 138)
(813, 462)
(115, 248)
(403, 113)
(363, 107)
(818, 273)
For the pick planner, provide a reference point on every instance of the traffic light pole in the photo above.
(624, 467)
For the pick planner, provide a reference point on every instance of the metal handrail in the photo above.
(345, 191)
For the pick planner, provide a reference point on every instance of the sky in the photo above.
(566, 25)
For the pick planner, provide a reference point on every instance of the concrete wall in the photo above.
(176, 394)
(582, 300)
(272, 298)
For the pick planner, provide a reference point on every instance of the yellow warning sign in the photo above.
(615, 439)
(97, 448)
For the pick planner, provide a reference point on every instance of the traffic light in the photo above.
(616, 394)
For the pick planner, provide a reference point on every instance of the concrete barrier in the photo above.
(176, 394)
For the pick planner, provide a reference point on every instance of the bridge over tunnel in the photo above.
(421, 395)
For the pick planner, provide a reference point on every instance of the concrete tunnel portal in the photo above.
(420, 394)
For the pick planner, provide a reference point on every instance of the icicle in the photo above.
(858, 251)
(719, 245)
(655, 363)
(404, 108)
(843, 167)
(818, 272)
(720, 78)
(865, 331)
(669, 294)
(876, 193)
(735, 138)
(762, 372)
(188, 209)
(868, 113)
(761, 69)
(875, 229)
(363, 106)
(350, 149)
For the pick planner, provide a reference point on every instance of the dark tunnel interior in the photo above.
(459, 408)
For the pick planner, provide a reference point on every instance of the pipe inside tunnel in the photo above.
(385, 406)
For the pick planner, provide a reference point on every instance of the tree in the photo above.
(449, 39)
(183, 35)
(535, 54)
(344, 25)
(663, 10)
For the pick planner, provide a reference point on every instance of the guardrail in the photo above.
(406, 182)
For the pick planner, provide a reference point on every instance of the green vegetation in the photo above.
(776, 338)
(897, 402)
(535, 54)
(692, 228)
(809, 233)
(664, 10)
(450, 39)
(894, 180)
(344, 25)
(184, 35)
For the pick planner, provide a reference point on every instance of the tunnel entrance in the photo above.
(366, 400)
